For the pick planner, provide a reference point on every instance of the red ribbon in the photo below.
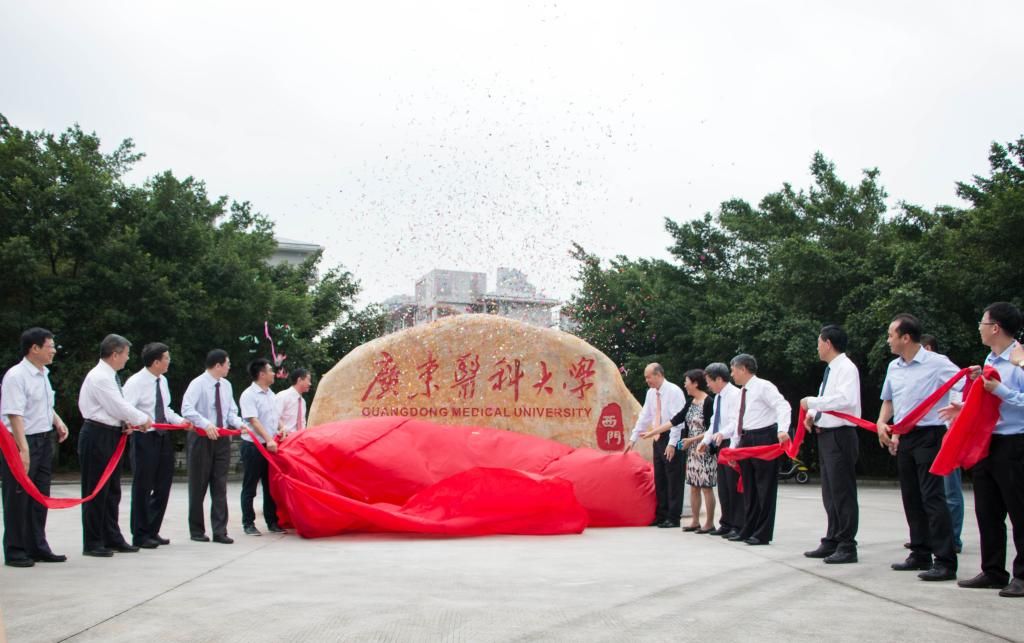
(13, 458)
(967, 440)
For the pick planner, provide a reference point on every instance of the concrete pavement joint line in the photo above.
(884, 598)
(169, 590)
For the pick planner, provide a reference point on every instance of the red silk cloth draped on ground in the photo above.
(10, 451)
(964, 444)
(400, 475)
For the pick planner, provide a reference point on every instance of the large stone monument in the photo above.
(489, 371)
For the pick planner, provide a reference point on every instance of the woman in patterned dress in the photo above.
(701, 468)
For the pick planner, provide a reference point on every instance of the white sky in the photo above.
(405, 136)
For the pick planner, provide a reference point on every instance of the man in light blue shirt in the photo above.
(911, 378)
(259, 410)
(209, 404)
(999, 478)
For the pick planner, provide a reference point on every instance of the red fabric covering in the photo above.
(400, 475)
(966, 442)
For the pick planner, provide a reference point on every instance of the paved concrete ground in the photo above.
(606, 584)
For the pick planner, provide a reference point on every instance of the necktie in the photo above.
(217, 404)
(299, 420)
(718, 415)
(743, 408)
(657, 408)
(160, 416)
(821, 391)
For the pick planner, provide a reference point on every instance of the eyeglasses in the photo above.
(987, 323)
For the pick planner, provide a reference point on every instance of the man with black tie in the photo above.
(838, 446)
(763, 418)
(664, 399)
(723, 426)
(107, 415)
(26, 403)
(209, 403)
(152, 451)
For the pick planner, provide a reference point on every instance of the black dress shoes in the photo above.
(668, 524)
(981, 581)
(730, 534)
(125, 548)
(913, 563)
(841, 557)
(49, 557)
(19, 562)
(148, 543)
(755, 541)
(274, 529)
(163, 541)
(720, 531)
(656, 522)
(224, 540)
(735, 536)
(1014, 590)
(99, 552)
(938, 572)
(201, 538)
(823, 551)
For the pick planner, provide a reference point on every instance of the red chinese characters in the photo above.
(610, 428)
(426, 375)
(466, 368)
(386, 378)
(508, 373)
(545, 376)
(581, 371)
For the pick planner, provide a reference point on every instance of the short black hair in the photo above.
(836, 336)
(907, 324)
(153, 352)
(697, 376)
(297, 374)
(931, 342)
(257, 366)
(216, 357)
(1006, 315)
(113, 344)
(717, 371)
(747, 361)
(34, 336)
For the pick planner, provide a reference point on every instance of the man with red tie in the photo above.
(291, 406)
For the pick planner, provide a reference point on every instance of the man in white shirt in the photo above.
(259, 411)
(838, 446)
(763, 418)
(26, 403)
(291, 406)
(723, 426)
(106, 414)
(663, 401)
(209, 403)
(152, 451)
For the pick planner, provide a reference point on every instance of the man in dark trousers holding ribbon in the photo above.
(209, 404)
(912, 377)
(999, 477)
(152, 451)
(107, 415)
(762, 419)
(723, 426)
(838, 446)
(26, 403)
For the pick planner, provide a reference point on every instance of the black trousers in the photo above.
(924, 496)
(998, 492)
(255, 471)
(668, 482)
(96, 445)
(730, 500)
(760, 486)
(838, 449)
(152, 457)
(24, 518)
(208, 462)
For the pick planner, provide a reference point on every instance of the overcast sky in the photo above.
(405, 136)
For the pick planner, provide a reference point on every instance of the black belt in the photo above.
(926, 427)
(821, 429)
(103, 426)
(772, 427)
